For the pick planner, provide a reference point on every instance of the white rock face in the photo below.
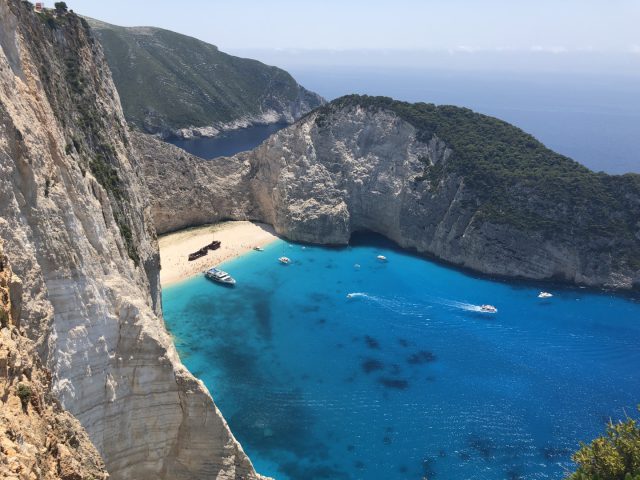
(72, 233)
(355, 168)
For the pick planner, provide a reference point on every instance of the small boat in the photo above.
(356, 266)
(488, 309)
(284, 260)
(545, 295)
(350, 295)
(382, 258)
(220, 276)
(258, 249)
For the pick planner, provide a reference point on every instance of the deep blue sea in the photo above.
(406, 379)
(594, 119)
(228, 143)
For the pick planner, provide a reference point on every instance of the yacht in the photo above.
(488, 309)
(220, 276)
(284, 260)
(382, 258)
(545, 295)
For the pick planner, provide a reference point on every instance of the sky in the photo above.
(465, 25)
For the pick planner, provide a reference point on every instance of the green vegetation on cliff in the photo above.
(168, 81)
(614, 456)
(515, 180)
(88, 141)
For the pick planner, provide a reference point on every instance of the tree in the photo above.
(614, 456)
(61, 7)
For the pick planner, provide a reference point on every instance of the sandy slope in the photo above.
(236, 237)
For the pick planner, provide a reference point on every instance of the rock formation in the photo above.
(443, 181)
(39, 440)
(75, 222)
(174, 85)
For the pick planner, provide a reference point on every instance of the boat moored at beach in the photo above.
(220, 276)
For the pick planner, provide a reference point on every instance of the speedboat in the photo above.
(284, 260)
(545, 295)
(488, 309)
(220, 276)
(382, 258)
(258, 249)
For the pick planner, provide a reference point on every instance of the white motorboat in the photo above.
(220, 276)
(382, 258)
(258, 249)
(545, 295)
(284, 260)
(488, 309)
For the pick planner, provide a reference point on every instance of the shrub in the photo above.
(61, 7)
(614, 456)
(24, 392)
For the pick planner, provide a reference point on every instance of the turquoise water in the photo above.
(406, 379)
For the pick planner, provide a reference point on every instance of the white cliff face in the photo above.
(332, 174)
(79, 237)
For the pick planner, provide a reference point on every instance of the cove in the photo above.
(227, 143)
(405, 379)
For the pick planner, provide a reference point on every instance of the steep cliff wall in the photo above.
(39, 440)
(177, 85)
(444, 181)
(75, 222)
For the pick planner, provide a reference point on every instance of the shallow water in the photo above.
(406, 378)
(228, 143)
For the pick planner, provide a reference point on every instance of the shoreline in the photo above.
(236, 237)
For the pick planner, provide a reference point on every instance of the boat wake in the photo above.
(403, 307)
(468, 307)
(397, 305)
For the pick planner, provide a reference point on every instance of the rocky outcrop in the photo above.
(357, 165)
(39, 440)
(177, 86)
(76, 226)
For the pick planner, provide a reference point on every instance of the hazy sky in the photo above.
(451, 25)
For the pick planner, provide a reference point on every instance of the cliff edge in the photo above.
(445, 181)
(39, 439)
(77, 230)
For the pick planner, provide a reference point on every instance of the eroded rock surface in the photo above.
(76, 226)
(38, 439)
(356, 165)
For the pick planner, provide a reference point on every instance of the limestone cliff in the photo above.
(39, 439)
(444, 181)
(75, 222)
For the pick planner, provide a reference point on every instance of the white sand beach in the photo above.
(236, 239)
